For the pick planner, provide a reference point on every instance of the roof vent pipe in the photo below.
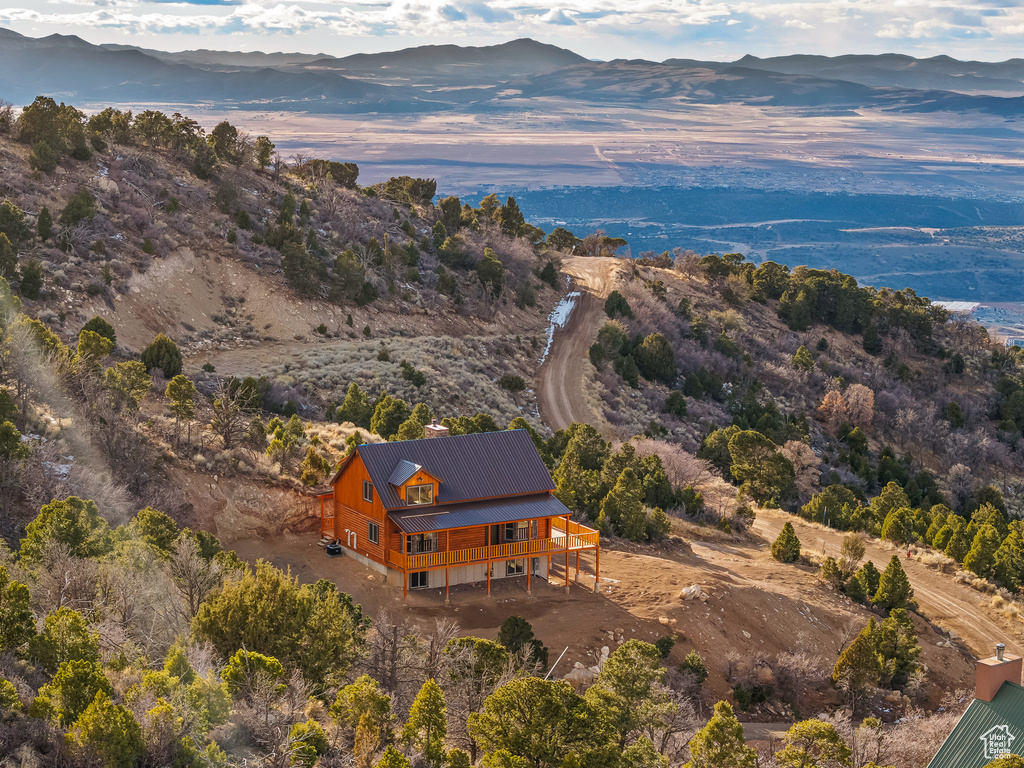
(1000, 648)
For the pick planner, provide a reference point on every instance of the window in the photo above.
(517, 531)
(418, 580)
(367, 491)
(419, 543)
(374, 533)
(514, 567)
(419, 494)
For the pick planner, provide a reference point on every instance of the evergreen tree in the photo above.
(426, 728)
(655, 359)
(392, 758)
(1009, 561)
(898, 646)
(411, 429)
(356, 408)
(65, 637)
(72, 522)
(894, 590)
(180, 394)
(623, 508)
(17, 624)
(389, 415)
(309, 742)
(162, 353)
(109, 733)
(786, 548)
(859, 664)
(630, 691)
(44, 224)
(872, 340)
(959, 544)
(720, 743)
(803, 360)
(8, 258)
(982, 557)
(516, 633)
(73, 688)
(103, 328)
(813, 744)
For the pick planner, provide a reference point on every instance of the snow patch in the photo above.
(558, 318)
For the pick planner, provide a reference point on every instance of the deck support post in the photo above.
(529, 575)
(597, 569)
(577, 566)
(405, 570)
(488, 578)
(446, 586)
(567, 554)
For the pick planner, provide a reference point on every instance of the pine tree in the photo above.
(786, 548)
(426, 728)
(44, 224)
(392, 758)
(894, 590)
(959, 545)
(623, 507)
(17, 624)
(803, 360)
(356, 407)
(897, 645)
(982, 557)
(813, 743)
(1009, 561)
(859, 665)
(180, 394)
(164, 354)
(720, 743)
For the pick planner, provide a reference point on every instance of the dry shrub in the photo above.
(997, 602)
(935, 559)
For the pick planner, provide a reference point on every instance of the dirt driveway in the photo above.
(560, 390)
(942, 600)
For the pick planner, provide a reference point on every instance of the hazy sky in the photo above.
(605, 29)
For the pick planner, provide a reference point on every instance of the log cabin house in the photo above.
(450, 510)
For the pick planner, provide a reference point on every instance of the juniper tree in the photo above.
(981, 559)
(894, 590)
(108, 733)
(180, 394)
(720, 743)
(786, 548)
(859, 665)
(162, 353)
(17, 624)
(426, 727)
(1009, 561)
(812, 743)
(803, 360)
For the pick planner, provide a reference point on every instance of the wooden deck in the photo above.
(567, 536)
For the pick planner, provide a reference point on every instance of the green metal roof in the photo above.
(986, 728)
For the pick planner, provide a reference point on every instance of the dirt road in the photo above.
(560, 391)
(942, 600)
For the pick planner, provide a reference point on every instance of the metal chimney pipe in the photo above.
(1000, 648)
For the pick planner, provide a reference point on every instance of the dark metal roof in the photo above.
(420, 520)
(985, 724)
(402, 472)
(468, 466)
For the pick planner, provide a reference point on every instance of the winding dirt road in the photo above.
(941, 600)
(560, 391)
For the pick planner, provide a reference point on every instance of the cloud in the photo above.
(558, 17)
(604, 28)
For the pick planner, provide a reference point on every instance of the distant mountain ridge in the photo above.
(482, 78)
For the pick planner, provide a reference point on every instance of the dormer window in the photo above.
(419, 494)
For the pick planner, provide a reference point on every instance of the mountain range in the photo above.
(447, 77)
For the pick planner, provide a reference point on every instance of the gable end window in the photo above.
(367, 491)
(419, 494)
(374, 533)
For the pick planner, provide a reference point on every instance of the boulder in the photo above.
(692, 592)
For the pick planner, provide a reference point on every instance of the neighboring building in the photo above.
(993, 724)
(453, 510)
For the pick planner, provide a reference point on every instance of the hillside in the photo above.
(196, 330)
